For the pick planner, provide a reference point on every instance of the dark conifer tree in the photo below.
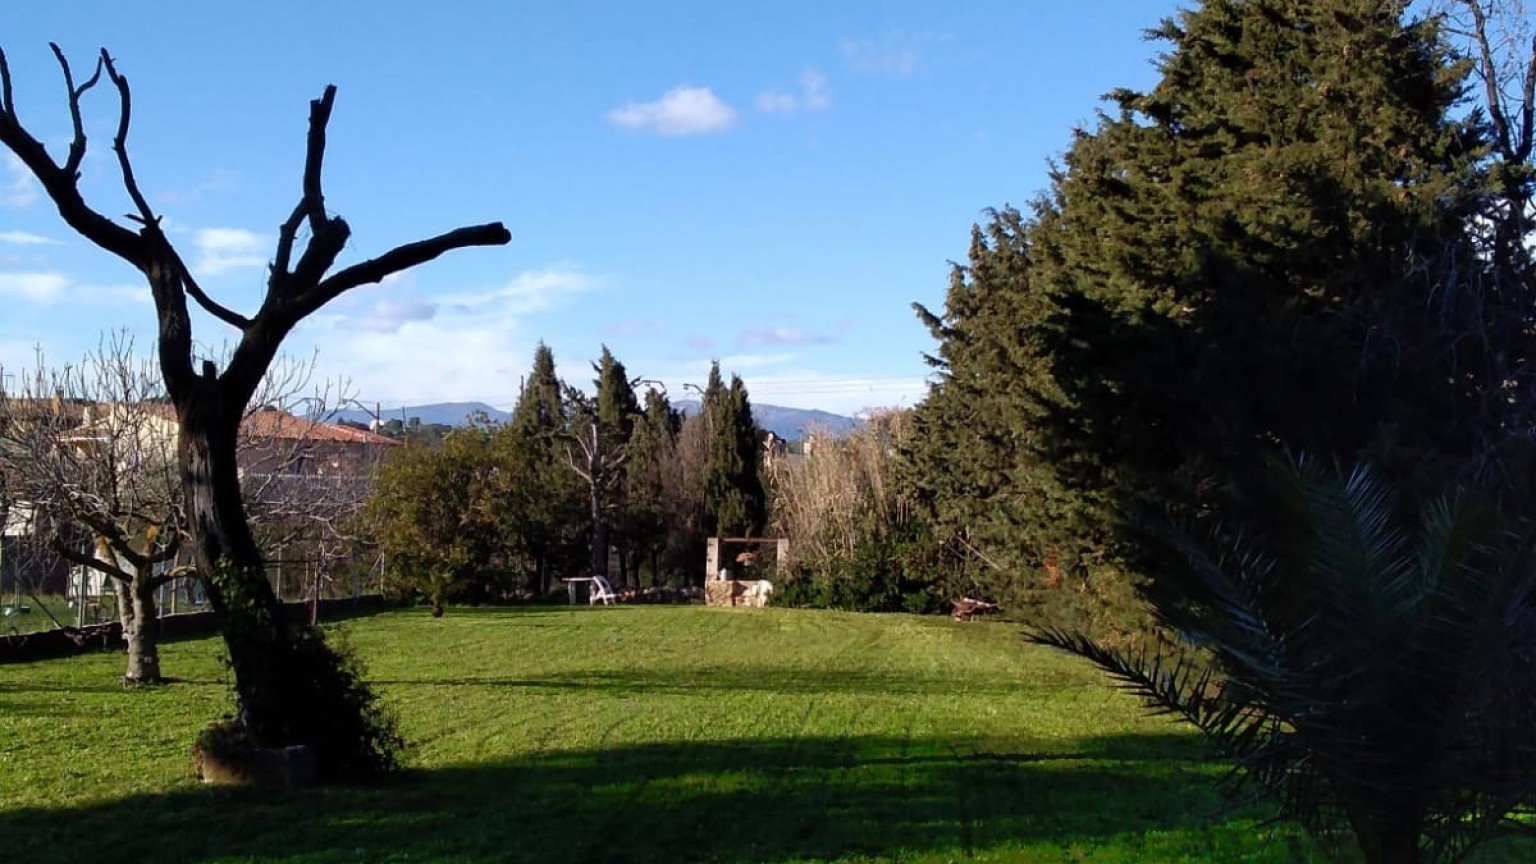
(553, 523)
(734, 500)
(657, 511)
(1265, 251)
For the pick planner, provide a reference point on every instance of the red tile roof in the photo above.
(270, 423)
(275, 423)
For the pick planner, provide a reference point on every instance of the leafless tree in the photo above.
(1498, 38)
(306, 481)
(271, 665)
(600, 468)
(89, 450)
(88, 454)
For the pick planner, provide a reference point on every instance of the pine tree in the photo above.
(657, 518)
(540, 409)
(735, 503)
(600, 431)
(549, 521)
(617, 407)
(1256, 254)
(1241, 257)
(968, 461)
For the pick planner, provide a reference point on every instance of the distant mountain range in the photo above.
(787, 423)
(442, 413)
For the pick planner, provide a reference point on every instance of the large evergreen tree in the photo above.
(657, 518)
(552, 521)
(616, 412)
(540, 409)
(735, 503)
(595, 452)
(969, 461)
(1259, 253)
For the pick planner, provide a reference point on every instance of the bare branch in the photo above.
(285, 239)
(7, 97)
(314, 157)
(1528, 107)
(75, 556)
(61, 184)
(1490, 74)
(120, 145)
(77, 143)
(398, 259)
(228, 316)
(1497, 34)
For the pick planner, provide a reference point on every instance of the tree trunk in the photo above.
(249, 614)
(598, 558)
(1387, 835)
(141, 620)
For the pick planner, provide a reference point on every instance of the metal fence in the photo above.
(83, 598)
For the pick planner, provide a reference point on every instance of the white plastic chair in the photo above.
(601, 590)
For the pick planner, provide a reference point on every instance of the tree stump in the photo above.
(265, 767)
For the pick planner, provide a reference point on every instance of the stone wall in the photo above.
(737, 592)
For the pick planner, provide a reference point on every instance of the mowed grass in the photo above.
(646, 734)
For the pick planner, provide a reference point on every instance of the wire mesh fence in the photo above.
(37, 596)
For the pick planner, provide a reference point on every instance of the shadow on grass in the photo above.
(734, 801)
(738, 677)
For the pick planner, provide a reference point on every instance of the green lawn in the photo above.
(44, 613)
(644, 734)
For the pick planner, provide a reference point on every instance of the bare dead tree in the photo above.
(89, 449)
(1498, 38)
(599, 467)
(271, 668)
(90, 453)
(306, 482)
(1483, 285)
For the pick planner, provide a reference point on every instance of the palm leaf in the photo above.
(1363, 666)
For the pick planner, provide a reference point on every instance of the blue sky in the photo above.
(769, 184)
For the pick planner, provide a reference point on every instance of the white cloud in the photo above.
(33, 287)
(389, 315)
(23, 238)
(138, 295)
(778, 379)
(892, 55)
(682, 111)
(759, 336)
(220, 250)
(17, 188)
(812, 96)
(528, 292)
(465, 346)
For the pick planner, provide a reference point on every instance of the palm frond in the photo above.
(1361, 668)
(1182, 686)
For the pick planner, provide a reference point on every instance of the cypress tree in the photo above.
(540, 406)
(550, 520)
(734, 500)
(1255, 254)
(653, 478)
(603, 447)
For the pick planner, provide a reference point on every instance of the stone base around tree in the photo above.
(267, 767)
